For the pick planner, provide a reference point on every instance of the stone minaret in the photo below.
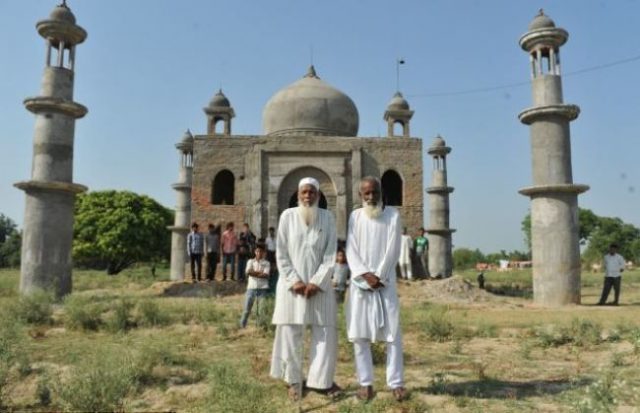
(440, 256)
(398, 111)
(50, 194)
(182, 222)
(554, 197)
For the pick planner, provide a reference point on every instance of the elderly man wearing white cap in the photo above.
(305, 255)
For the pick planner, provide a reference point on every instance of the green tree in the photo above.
(115, 229)
(10, 242)
(467, 258)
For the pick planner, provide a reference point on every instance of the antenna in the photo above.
(311, 54)
(399, 61)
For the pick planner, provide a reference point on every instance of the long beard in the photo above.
(308, 213)
(372, 210)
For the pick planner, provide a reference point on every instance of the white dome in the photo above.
(310, 106)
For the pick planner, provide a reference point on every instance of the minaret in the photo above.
(398, 111)
(219, 110)
(181, 226)
(50, 194)
(440, 256)
(554, 197)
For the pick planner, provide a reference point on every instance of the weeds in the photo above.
(149, 314)
(580, 333)
(35, 308)
(82, 314)
(438, 325)
(120, 319)
(12, 352)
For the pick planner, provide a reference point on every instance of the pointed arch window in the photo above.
(392, 188)
(223, 191)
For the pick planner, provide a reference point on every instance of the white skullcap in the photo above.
(309, 181)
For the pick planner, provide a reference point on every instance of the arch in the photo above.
(398, 128)
(289, 187)
(392, 188)
(223, 188)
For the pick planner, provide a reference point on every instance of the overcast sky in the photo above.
(148, 67)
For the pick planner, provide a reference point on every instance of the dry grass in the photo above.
(490, 355)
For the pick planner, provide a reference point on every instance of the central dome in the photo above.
(310, 106)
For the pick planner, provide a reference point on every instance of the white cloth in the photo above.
(305, 253)
(373, 245)
(271, 243)
(613, 264)
(286, 360)
(364, 362)
(309, 181)
(405, 250)
(261, 266)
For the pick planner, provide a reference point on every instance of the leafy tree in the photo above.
(10, 242)
(598, 233)
(115, 229)
(467, 258)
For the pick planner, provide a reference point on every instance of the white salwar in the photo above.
(405, 257)
(305, 253)
(373, 245)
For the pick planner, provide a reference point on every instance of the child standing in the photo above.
(340, 275)
(257, 271)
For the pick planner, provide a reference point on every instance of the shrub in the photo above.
(81, 313)
(98, 384)
(12, 351)
(264, 314)
(35, 308)
(120, 319)
(438, 325)
(149, 314)
(580, 333)
(233, 390)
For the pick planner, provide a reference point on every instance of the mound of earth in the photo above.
(454, 288)
(201, 289)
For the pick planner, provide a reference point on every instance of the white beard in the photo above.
(308, 213)
(372, 211)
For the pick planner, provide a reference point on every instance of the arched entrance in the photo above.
(287, 193)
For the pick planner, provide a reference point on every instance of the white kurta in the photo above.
(305, 253)
(405, 249)
(373, 245)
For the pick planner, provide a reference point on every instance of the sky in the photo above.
(148, 67)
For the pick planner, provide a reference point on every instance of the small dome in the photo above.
(398, 102)
(438, 142)
(219, 100)
(187, 137)
(541, 21)
(62, 13)
(310, 106)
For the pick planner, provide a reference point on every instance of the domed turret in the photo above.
(62, 13)
(398, 111)
(310, 106)
(541, 21)
(219, 100)
(219, 110)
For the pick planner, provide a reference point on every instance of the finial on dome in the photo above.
(311, 72)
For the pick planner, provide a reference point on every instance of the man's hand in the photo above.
(299, 288)
(311, 290)
(372, 280)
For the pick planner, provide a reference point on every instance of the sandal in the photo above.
(365, 393)
(334, 391)
(294, 392)
(399, 393)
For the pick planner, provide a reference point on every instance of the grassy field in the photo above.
(121, 344)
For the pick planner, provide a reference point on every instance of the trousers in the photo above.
(395, 362)
(608, 283)
(286, 359)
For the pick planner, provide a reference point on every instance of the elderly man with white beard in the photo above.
(373, 310)
(305, 254)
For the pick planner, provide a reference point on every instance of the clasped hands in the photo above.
(372, 280)
(307, 290)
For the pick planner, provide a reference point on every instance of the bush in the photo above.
(264, 313)
(149, 314)
(98, 384)
(35, 308)
(158, 364)
(580, 333)
(438, 325)
(82, 314)
(120, 318)
(233, 390)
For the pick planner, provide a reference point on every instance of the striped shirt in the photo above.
(305, 253)
(195, 243)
